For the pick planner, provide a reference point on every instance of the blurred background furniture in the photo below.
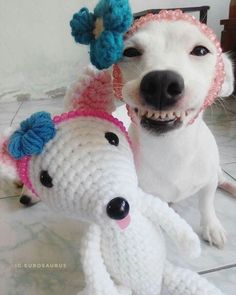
(228, 36)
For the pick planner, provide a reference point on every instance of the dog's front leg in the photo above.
(212, 230)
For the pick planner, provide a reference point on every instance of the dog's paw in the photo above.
(214, 233)
(191, 246)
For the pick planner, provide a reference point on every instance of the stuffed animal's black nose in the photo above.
(161, 89)
(118, 208)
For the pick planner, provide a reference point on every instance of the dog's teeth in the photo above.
(178, 114)
(156, 115)
(142, 112)
(149, 114)
(152, 115)
(170, 115)
(182, 116)
(163, 115)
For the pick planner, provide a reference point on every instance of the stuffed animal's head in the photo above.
(80, 163)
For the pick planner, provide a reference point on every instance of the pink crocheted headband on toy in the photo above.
(23, 164)
(176, 15)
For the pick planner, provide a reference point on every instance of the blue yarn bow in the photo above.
(114, 18)
(32, 135)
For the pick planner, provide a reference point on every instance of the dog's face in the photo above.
(168, 69)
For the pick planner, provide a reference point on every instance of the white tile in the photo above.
(3, 127)
(211, 256)
(230, 103)
(219, 113)
(8, 186)
(225, 280)
(225, 135)
(224, 132)
(35, 235)
(53, 106)
(231, 169)
(7, 113)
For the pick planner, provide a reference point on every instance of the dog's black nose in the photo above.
(161, 89)
(118, 208)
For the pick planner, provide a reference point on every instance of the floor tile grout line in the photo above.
(218, 122)
(17, 111)
(232, 112)
(226, 111)
(228, 163)
(224, 267)
(7, 197)
(228, 174)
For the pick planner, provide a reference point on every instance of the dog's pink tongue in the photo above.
(124, 223)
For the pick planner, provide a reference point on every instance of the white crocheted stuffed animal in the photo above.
(81, 163)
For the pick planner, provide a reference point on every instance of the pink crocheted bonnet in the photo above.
(176, 15)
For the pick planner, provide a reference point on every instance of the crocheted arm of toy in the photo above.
(92, 90)
(177, 228)
(97, 278)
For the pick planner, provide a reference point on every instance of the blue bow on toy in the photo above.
(103, 30)
(32, 136)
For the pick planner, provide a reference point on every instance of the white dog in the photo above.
(167, 71)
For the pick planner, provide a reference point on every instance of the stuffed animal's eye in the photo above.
(200, 51)
(112, 138)
(132, 52)
(46, 179)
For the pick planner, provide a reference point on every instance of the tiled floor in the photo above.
(37, 236)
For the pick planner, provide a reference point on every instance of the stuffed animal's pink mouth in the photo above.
(124, 223)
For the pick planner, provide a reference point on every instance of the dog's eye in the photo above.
(200, 51)
(112, 138)
(46, 179)
(132, 52)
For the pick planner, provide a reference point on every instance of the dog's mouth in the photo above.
(161, 121)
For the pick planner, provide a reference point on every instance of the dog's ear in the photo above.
(228, 85)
